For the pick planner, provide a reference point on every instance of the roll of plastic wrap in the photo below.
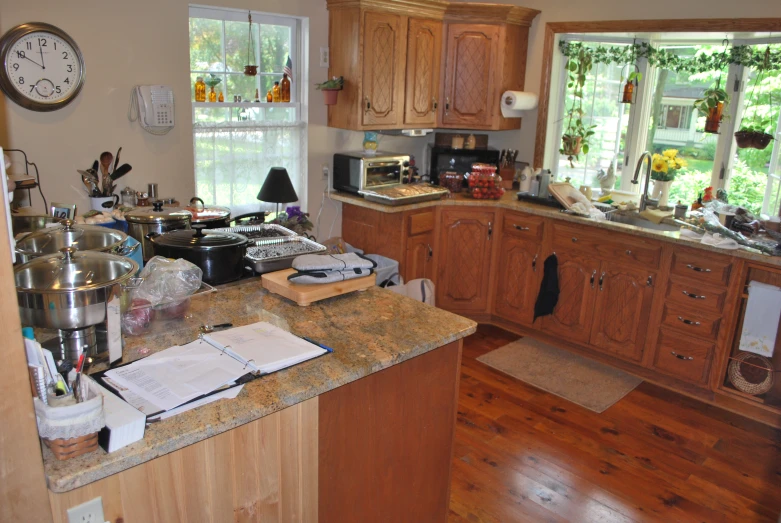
(514, 102)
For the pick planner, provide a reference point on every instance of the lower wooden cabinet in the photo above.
(419, 257)
(621, 310)
(465, 246)
(517, 281)
(572, 317)
(683, 357)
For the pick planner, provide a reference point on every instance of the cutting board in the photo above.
(304, 295)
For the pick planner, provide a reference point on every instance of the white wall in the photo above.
(146, 41)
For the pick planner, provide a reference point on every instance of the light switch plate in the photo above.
(325, 56)
(89, 512)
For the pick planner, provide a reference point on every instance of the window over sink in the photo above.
(236, 143)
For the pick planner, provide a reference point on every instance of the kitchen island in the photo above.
(362, 434)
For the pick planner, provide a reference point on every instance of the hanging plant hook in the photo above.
(250, 69)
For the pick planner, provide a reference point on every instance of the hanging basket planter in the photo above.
(250, 70)
(570, 145)
(749, 136)
(331, 89)
(752, 140)
(713, 120)
(330, 96)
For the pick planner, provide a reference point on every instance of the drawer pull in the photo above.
(593, 275)
(601, 279)
(430, 252)
(520, 228)
(534, 263)
(681, 356)
(697, 269)
(628, 252)
(693, 296)
(574, 240)
(490, 229)
(688, 322)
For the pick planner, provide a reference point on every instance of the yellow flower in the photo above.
(670, 153)
(659, 166)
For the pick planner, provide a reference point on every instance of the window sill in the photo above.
(244, 104)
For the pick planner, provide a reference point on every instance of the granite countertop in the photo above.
(369, 331)
(510, 201)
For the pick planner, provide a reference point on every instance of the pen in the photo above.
(313, 342)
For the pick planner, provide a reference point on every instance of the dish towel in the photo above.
(760, 323)
(549, 288)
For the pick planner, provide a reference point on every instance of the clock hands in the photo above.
(33, 61)
(40, 49)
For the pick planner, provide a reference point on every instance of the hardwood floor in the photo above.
(522, 454)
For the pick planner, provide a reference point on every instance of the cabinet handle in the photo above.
(490, 229)
(650, 281)
(601, 279)
(368, 105)
(434, 104)
(698, 269)
(681, 356)
(447, 105)
(593, 275)
(534, 263)
(430, 251)
(574, 240)
(520, 228)
(688, 322)
(628, 252)
(693, 296)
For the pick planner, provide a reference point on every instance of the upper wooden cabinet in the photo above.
(400, 74)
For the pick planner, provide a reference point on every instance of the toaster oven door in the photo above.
(379, 173)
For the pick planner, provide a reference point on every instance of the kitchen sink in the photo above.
(638, 221)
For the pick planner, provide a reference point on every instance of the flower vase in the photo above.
(664, 193)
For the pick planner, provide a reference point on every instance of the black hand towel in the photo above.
(549, 288)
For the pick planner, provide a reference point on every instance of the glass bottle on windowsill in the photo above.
(285, 89)
(212, 95)
(269, 97)
(200, 90)
(221, 98)
(275, 93)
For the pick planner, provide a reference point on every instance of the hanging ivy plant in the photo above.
(576, 134)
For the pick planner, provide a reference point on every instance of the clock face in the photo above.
(42, 70)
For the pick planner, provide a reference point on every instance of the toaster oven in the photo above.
(355, 172)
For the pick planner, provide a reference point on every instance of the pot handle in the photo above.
(195, 200)
(151, 235)
(127, 251)
(199, 227)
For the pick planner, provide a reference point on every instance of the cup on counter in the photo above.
(587, 191)
(104, 203)
(680, 211)
(726, 218)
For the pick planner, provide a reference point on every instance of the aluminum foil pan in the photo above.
(404, 194)
(275, 254)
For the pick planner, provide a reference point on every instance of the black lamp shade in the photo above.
(277, 187)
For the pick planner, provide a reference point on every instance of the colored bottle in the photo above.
(200, 90)
(221, 98)
(285, 88)
(269, 97)
(257, 94)
(275, 93)
(212, 95)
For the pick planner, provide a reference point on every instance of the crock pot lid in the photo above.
(199, 238)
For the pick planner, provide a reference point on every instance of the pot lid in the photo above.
(84, 237)
(202, 213)
(73, 270)
(199, 238)
(158, 214)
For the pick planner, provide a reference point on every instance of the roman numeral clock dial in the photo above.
(42, 67)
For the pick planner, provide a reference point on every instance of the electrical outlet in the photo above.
(325, 56)
(89, 512)
(326, 171)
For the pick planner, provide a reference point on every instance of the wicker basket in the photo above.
(70, 448)
(741, 383)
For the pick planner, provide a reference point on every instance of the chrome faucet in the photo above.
(644, 200)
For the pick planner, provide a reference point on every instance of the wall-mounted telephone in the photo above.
(153, 107)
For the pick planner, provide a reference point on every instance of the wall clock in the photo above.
(42, 67)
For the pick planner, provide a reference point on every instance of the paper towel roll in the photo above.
(514, 102)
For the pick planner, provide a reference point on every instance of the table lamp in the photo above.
(277, 188)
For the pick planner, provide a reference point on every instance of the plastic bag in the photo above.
(167, 281)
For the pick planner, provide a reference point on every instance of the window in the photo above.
(675, 72)
(236, 143)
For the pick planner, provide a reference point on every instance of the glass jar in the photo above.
(200, 90)
(275, 93)
(128, 197)
(484, 183)
(212, 95)
(269, 97)
(285, 88)
(221, 98)
(452, 181)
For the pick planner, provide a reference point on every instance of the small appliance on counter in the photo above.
(447, 159)
(143, 221)
(354, 172)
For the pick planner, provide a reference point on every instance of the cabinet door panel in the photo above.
(518, 279)
(424, 46)
(419, 259)
(464, 260)
(571, 319)
(621, 312)
(382, 59)
(469, 83)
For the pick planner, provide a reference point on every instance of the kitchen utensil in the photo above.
(304, 295)
(278, 253)
(567, 195)
(120, 171)
(212, 216)
(95, 166)
(143, 220)
(116, 160)
(67, 234)
(106, 159)
(92, 189)
(220, 255)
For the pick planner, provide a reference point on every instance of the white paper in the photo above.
(226, 394)
(760, 323)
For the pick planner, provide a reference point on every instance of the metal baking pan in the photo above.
(262, 262)
(432, 192)
(248, 230)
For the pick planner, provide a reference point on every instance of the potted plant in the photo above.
(575, 138)
(331, 89)
(664, 167)
(712, 105)
(752, 137)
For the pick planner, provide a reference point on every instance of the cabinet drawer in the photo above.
(692, 294)
(701, 266)
(690, 323)
(683, 357)
(523, 225)
(608, 245)
(421, 222)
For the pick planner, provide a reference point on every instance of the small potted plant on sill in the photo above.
(712, 105)
(331, 89)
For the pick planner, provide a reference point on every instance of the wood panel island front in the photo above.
(362, 434)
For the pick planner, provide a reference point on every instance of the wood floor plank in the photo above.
(522, 454)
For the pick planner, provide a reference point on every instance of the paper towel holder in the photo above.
(508, 99)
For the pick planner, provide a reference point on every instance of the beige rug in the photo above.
(580, 380)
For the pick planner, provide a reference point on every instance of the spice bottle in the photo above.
(275, 93)
(221, 98)
(269, 97)
(285, 88)
(200, 90)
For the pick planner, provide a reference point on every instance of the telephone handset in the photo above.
(154, 108)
